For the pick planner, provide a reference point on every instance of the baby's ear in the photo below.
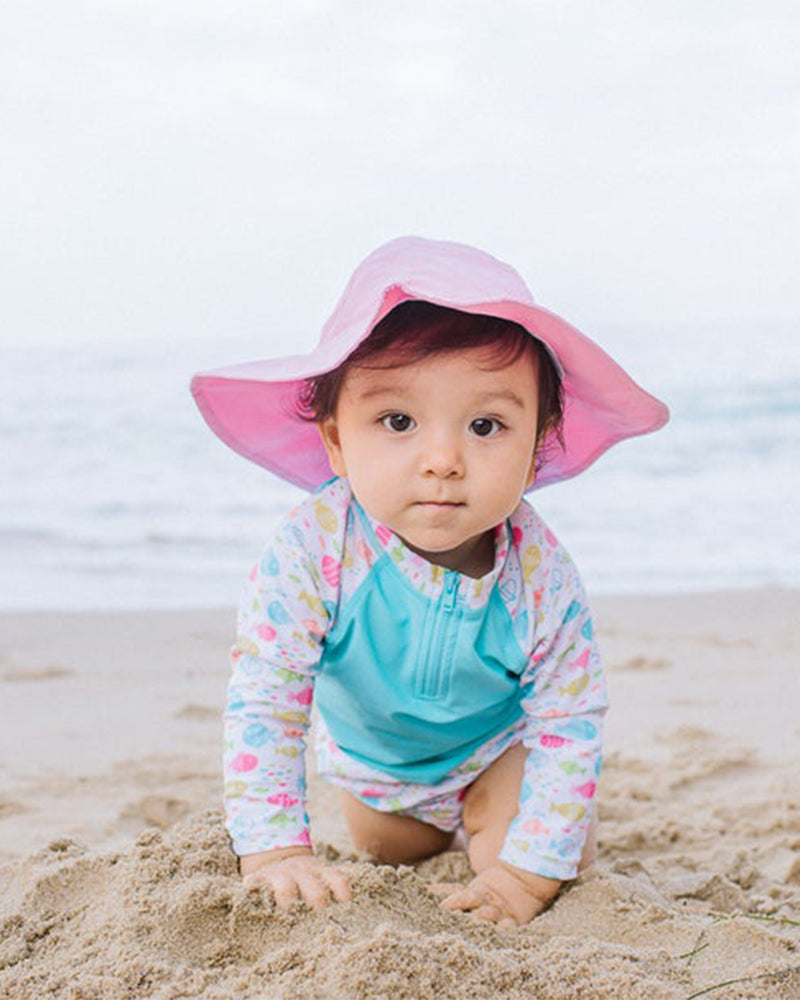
(329, 432)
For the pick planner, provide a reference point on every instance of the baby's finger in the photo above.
(313, 890)
(466, 898)
(338, 884)
(284, 888)
(488, 912)
(444, 889)
(255, 880)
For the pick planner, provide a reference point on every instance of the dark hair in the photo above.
(415, 330)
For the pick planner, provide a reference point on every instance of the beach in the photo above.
(117, 880)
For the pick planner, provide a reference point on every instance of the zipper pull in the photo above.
(450, 590)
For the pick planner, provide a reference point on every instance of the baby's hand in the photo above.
(502, 894)
(293, 876)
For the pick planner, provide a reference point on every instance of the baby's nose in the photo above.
(443, 457)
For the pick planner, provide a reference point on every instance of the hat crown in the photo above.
(412, 267)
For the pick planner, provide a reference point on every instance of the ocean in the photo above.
(114, 494)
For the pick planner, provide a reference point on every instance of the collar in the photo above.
(427, 577)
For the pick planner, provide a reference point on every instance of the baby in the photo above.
(416, 598)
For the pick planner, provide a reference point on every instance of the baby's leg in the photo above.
(391, 838)
(491, 803)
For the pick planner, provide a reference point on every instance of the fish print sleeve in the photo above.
(564, 706)
(284, 615)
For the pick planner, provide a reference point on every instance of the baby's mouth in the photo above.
(439, 503)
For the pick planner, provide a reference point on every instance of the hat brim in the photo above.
(254, 407)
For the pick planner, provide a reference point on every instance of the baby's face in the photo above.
(440, 451)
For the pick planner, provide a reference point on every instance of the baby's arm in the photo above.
(500, 892)
(541, 833)
(553, 832)
(554, 825)
(282, 620)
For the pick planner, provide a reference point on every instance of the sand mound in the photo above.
(168, 919)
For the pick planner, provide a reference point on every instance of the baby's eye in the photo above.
(485, 426)
(398, 422)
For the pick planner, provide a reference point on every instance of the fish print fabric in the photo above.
(320, 561)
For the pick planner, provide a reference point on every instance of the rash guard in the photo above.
(412, 668)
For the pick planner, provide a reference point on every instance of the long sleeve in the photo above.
(282, 621)
(564, 706)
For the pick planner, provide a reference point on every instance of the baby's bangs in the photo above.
(415, 330)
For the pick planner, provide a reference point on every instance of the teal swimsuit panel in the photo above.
(400, 671)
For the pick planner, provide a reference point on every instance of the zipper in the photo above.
(450, 590)
(434, 669)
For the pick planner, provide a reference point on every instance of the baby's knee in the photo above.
(390, 838)
(402, 846)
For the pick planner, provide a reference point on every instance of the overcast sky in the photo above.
(200, 171)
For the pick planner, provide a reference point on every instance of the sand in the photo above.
(117, 881)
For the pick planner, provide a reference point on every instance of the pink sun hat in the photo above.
(253, 407)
